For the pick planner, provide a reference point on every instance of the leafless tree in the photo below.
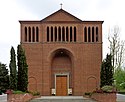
(116, 48)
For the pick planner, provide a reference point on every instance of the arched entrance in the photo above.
(61, 72)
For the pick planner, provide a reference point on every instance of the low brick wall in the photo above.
(19, 97)
(104, 97)
(100, 97)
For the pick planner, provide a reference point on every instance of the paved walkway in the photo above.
(62, 99)
(120, 98)
(3, 98)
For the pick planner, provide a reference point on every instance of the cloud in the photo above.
(11, 13)
(39, 8)
(104, 5)
(111, 11)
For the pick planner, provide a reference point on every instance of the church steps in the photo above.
(62, 99)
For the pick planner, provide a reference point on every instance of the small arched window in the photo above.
(93, 37)
(89, 34)
(63, 34)
(29, 30)
(37, 34)
(74, 34)
(33, 34)
(25, 34)
(51, 33)
(59, 33)
(67, 34)
(70, 34)
(85, 34)
(96, 34)
(47, 34)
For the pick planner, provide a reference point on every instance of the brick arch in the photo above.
(32, 84)
(67, 51)
(91, 83)
(65, 57)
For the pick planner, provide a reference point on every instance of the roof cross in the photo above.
(61, 5)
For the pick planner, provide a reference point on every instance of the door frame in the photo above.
(62, 74)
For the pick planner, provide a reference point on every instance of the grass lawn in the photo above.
(121, 91)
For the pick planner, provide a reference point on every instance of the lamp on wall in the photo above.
(70, 91)
(53, 92)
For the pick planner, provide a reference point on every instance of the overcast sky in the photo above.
(11, 11)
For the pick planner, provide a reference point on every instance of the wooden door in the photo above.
(61, 85)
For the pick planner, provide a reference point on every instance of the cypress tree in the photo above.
(13, 70)
(22, 69)
(107, 71)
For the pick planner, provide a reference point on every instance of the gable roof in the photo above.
(61, 15)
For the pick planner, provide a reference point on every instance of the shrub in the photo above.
(18, 92)
(9, 91)
(88, 94)
(121, 91)
(35, 93)
(0, 92)
(108, 88)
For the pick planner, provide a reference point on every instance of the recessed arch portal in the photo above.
(62, 64)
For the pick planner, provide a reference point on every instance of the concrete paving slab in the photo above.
(62, 99)
(120, 98)
(3, 98)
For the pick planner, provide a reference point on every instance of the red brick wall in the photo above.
(19, 97)
(104, 97)
(86, 62)
(85, 57)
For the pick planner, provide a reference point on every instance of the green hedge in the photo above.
(18, 92)
(121, 93)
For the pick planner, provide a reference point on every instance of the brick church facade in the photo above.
(64, 54)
